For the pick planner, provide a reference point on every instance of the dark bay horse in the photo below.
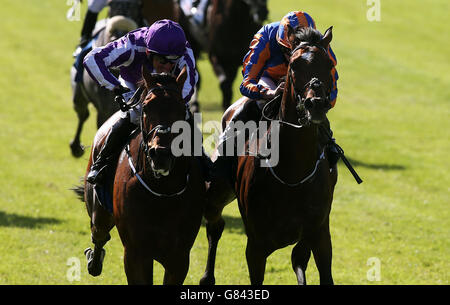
(290, 202)
(158, 199)
(230, 26)
(153, 10)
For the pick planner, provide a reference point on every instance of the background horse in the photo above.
(158, 199)
(154, 10)
(123, 18)
(230, 26)
(289, 203)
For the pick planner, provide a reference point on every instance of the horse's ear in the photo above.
(181, 78)
(327, 37)
(147, 77)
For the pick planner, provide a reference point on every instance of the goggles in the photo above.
(164, 59)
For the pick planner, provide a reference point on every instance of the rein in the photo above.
(133, 169)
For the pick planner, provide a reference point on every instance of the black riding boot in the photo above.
(326, 138)
(88, 27)
(115, 140)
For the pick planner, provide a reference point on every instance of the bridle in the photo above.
(158, 129)
(302, 101)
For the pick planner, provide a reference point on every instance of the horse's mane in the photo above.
(161, 78)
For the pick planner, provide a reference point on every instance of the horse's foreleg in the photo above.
(300, 257)
(218, 195)
(101, 224)
(322, 250)
(177, 269)
(213, 232)
(256, 262)
(138, 267)
(225, 71)
(80, 106)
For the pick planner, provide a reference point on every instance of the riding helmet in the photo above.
(166, 37)
(293, 19)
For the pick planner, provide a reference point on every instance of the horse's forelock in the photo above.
(308, 35)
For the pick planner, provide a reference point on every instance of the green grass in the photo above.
(391, 118)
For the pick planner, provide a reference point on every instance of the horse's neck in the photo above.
(298, 147)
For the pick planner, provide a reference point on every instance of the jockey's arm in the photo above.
(188, 60)
(113, 55)
(253, 65)
(335, 77)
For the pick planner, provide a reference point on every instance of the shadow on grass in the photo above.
(357, 163)
(232, 224)
(19, 221)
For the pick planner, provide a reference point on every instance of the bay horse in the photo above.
(153, 10)
(290, 202)
(158, 199)
(230, 26)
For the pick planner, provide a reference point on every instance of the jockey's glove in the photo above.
(119, 90)
(122, 94)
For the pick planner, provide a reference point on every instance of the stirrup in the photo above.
(96, 175)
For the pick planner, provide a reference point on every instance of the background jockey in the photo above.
(94, 8)
(267, 60)
(162, 47)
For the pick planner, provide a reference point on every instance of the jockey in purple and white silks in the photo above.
(163, 48)
(164, 40)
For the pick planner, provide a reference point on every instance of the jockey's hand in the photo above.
(122, 94)
(119, 90)
(270, 94)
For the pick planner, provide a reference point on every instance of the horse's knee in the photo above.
(215, 229)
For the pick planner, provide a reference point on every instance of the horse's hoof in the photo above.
(207, 280)
(77, 149)
(94, 265)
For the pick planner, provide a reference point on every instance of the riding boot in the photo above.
(326, 139)
(115, 140)
(88, 27)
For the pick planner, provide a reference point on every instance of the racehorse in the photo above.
(123, 17)
(154, 10)
(158, 199)
(290, 202)
(230, 26)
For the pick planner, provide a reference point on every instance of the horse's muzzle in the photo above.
(161, 160)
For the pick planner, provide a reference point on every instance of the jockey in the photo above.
(162, 47)
(199, 11)
(267, 60)
(94, 8)
(264, 66)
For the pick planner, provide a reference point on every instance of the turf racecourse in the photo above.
(391, 118)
